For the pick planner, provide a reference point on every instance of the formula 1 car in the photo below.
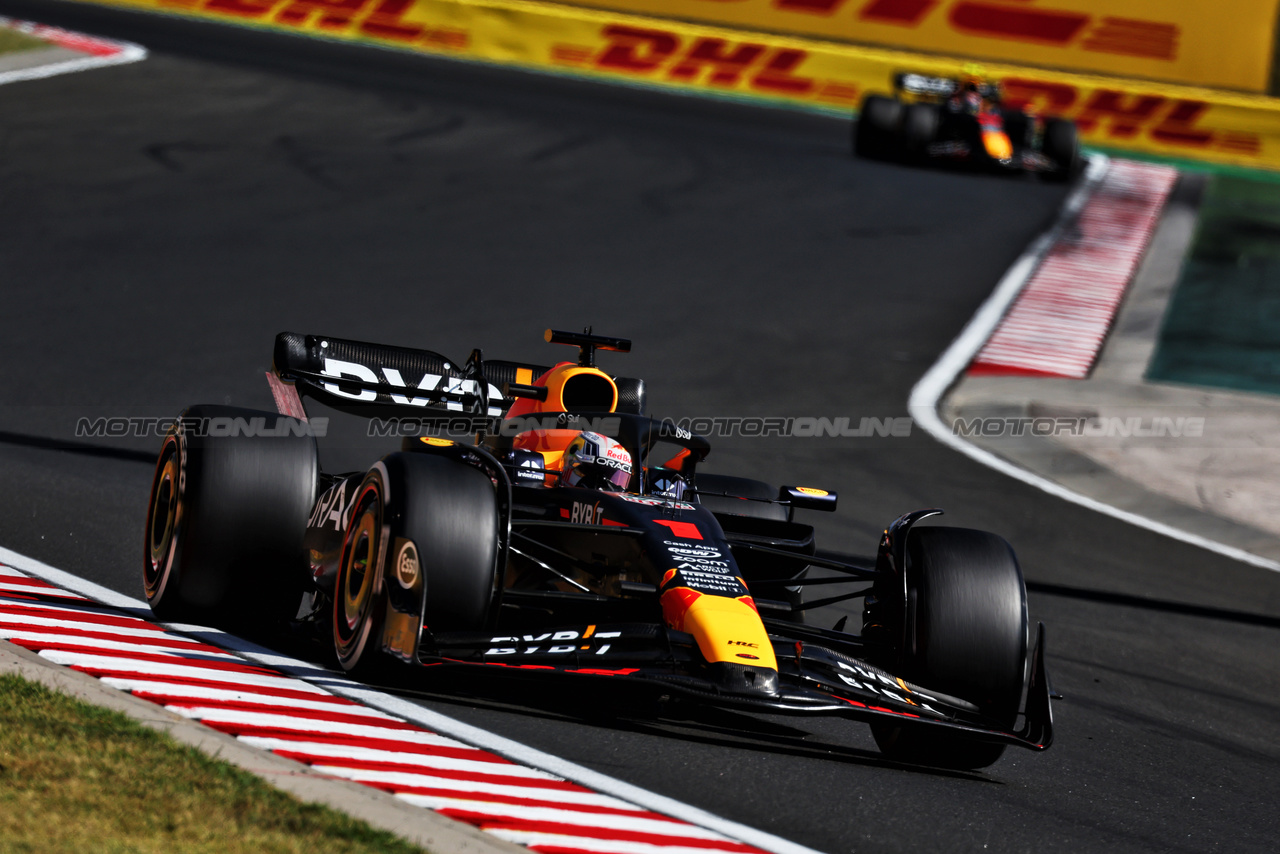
(491, 553)
(963, 121)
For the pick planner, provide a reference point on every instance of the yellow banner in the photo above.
(1225, 44)
(1161, 119)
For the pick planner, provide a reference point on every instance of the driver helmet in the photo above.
(970, 92)
(596, 462)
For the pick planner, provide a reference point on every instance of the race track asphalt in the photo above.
(163, 220)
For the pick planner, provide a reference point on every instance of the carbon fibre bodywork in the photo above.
(939, 119)
(649, 585)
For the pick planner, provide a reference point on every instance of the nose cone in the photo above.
(729, 633)
(998, 145)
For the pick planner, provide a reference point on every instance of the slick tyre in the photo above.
(965, 634)
(919, 130)
(415, 513)
(232, 492)
(876, 130)
(1062, 146)
(1018, 125)
(452, 517)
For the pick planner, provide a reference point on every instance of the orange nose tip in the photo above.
(997, 144)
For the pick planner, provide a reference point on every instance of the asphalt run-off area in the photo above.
(165, 217)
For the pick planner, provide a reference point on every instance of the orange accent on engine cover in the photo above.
(554, 380)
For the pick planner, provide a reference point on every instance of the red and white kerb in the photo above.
(1059, 322)
(295, 719)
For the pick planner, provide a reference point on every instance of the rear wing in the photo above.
(923, 85)
(938, 88)
(358, 376)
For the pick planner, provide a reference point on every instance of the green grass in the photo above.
(77, 778)
(1222, 327)
(12, 41)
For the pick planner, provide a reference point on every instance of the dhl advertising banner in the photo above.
(1223, 44)
(1161, 119)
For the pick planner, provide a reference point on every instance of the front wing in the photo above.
(1023, 160)
(813, 679)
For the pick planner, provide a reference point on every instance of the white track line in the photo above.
(928, 392)
(125, 52)
(132, 53)
(341, 685)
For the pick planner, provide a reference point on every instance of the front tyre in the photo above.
(964, 634)
(920, 124)
(448, 511)
(229, 504)
(1062, 146)
(876, 130)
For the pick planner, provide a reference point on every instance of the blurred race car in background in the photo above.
(573, 536)
(963, 120)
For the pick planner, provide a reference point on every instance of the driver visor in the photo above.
(620, 478)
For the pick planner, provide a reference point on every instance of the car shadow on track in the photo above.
(1149, 604)
(642, 711)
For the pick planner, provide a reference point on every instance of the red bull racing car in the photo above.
(963, 120)
(573, 536)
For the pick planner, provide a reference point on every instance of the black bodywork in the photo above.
(928, 119)
(580, 572)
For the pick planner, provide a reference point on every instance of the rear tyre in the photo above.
(919, 129)
(877, 127)
(965, 634)
(448, 512)
(1062, 146)
(229, 505)
(1018, 126)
